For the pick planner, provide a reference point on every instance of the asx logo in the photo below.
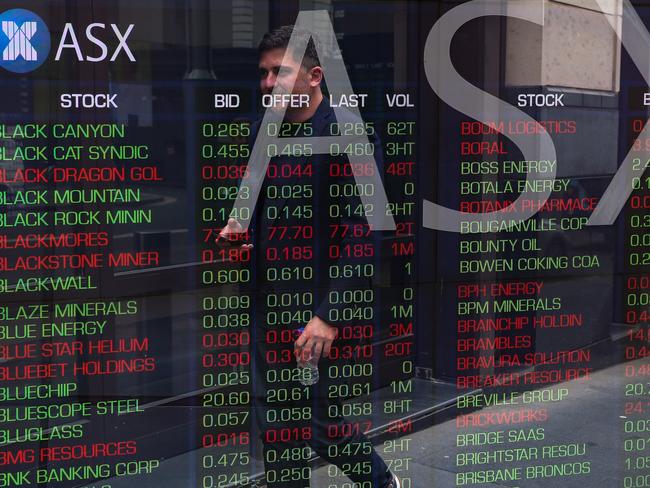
(25, 41)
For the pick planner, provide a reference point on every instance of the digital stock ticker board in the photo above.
(324, 243)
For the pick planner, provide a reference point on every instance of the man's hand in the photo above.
(231, 235)
(317, 337)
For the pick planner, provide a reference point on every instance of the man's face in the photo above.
(273, 72)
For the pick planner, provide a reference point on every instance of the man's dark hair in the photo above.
(279, 39)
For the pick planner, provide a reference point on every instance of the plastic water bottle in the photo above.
(308, 369)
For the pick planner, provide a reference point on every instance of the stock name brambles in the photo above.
(496, 343)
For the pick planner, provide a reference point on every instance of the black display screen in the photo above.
(324, 243)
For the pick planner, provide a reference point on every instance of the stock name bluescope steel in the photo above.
(25, 41)
(467, 99)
